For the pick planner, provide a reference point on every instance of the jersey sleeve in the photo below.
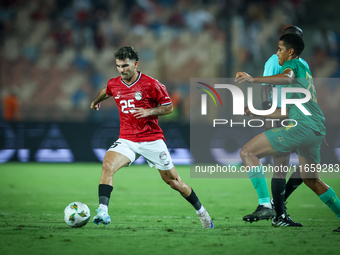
(161, 94)
(272, 67)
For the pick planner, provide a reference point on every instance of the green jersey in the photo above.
(303, 79)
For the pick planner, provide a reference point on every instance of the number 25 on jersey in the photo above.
(127, 104)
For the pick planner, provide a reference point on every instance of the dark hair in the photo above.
(127, 52)
(293, 30)
(293, 41)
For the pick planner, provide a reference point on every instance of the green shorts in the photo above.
(301, 138)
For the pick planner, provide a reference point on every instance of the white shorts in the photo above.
(156, 153)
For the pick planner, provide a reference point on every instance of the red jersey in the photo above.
(145, 92)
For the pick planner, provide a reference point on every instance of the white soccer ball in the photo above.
(76, 214)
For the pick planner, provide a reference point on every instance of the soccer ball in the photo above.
(76, 214)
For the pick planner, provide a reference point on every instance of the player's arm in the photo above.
(101, 97)
(275, 115)
(157, 111)
(265, 96)
(284, 78)
(271, 67)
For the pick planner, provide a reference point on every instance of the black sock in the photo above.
(278, 192)
(292, 184)
(104, 193)
(193, 199)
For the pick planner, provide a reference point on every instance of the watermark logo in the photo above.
(238, 99)
(204, 97)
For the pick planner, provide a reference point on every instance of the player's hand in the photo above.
(324, 141)
(139, 112)
(95, 107)
(243, 76)
(247, 112)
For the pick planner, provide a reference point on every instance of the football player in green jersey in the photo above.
(265, 208)
(305, 134)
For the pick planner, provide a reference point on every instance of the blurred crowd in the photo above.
(56, 55)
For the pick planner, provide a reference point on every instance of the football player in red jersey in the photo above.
(140, 100)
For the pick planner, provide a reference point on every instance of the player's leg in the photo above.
(255, 149)
(278, 190)
(293, 183)
(278, 183)
(157, 155)
(113, 161)
(172, 178)
(283, 140)
(324, 192)
(116, 157)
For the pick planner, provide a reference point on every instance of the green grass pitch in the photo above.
(148, 217)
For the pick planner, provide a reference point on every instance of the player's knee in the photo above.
(109, 166)
(174, 184)
(245, 153)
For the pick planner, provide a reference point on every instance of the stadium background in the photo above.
(57, 54)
